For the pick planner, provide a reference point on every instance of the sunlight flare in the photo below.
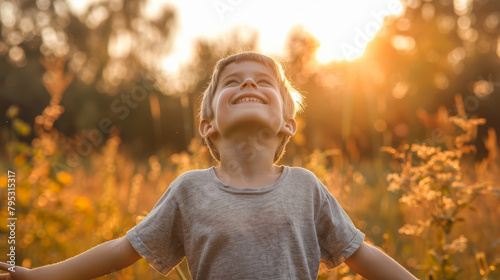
(342, 28)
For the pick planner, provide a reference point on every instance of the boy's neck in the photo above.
(247, 159)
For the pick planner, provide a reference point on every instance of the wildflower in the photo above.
(389, 150)
(448, 203)
(394, 182)
(408, 200)
(410, 229)
(458, 245)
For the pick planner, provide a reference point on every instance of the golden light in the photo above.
(345, 35)
(169, 64)
(343, 28)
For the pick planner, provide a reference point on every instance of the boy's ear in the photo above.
(290, 127)
(207, 129)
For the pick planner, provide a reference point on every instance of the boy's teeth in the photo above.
(249, 99)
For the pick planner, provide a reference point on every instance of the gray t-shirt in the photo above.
(282, 231)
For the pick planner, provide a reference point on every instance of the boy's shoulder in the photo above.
(192, 176)
(305, 177)
(303, 173)
(187, 183)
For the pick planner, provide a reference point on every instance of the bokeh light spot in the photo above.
(380, 125)
(400, 89)
(482, 88)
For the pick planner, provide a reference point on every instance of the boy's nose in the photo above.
(248, 83)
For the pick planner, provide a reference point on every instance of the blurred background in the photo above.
(99, 104)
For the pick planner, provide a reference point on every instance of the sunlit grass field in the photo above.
(403, 131)
(432, 209)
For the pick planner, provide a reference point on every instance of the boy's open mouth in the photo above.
(249, 98)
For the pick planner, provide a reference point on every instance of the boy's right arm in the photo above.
(103, 259)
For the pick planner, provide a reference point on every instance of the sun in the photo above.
(344, 35)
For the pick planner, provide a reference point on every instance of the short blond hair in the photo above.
(292, 99)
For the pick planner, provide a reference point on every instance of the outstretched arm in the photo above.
(373, 264)
(103, 259)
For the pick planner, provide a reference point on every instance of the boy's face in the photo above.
(248, 94)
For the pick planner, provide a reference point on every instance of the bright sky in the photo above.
(343, 28)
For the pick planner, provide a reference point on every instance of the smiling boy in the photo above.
(246, 218)
(246, 119)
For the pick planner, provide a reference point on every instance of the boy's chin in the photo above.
(252, 126)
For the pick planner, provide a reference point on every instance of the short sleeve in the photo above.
(338, 238)
(158, 238)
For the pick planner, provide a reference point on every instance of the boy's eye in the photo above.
(230, 82)
(264, 81)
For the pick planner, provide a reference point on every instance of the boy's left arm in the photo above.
(373, 264)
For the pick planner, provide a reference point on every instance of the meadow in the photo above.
(431, 208)
(96, 121)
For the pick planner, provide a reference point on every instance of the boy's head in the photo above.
(290, 99)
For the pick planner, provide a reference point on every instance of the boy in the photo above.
(247, 218)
